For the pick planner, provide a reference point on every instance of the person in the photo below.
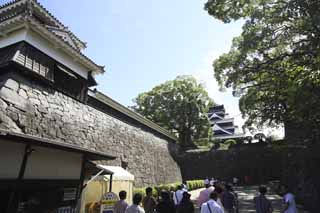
(212, 181)
(184, 186)
(135, 207)
(289, 201)
(211, 206)
(218, 189)
(235, 181)
(206, 181)
(149, 202)
(165, 205)
(261, 202)
(205, 194)
(121, 205)
(229, 199)
(177, 197)
(185, 206)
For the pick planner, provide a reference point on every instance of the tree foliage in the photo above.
(180, 105)
(274, 65)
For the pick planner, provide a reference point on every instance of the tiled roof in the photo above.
(14, 18)
(36, 3)
(73, 36)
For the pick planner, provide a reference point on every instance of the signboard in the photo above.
(108, 201)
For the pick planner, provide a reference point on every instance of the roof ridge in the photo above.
(69, 45)
(59, 22)
(9, 3)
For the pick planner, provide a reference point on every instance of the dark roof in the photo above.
(217, 108)
(73, 36)
(37, 141)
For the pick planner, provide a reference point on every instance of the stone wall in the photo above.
(257, 161)
(32, 108)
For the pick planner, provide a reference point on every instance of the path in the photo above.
(246, 195)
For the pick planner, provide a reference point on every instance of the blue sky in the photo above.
(144, 43)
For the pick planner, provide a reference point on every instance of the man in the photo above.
(289, 201)
(177, 196)
(204, 195)
(149, 202)
(121, 205)
(135, 208)
(229, 199)
(211, 206)
(235, 181)
(262, 204)
(185, 186)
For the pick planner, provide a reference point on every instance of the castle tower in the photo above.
(222, 124)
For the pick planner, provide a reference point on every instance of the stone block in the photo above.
(34, 101)
(13, 98)
(12, 84)
(7, 123)
(3, 105)
(23, 93)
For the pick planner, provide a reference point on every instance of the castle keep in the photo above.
(53, 127)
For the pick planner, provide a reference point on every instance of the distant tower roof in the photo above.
(222, 125)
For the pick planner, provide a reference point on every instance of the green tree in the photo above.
(180, 105)
(274, 65)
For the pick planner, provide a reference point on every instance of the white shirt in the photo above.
(134, 209)
(235, 180)
(213, 205)
(220, 204)
(206, 182)
(177, 196)
(289, 199)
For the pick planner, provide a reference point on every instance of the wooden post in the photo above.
(110, 183)
(27, 151)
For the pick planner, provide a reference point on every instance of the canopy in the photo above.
(119, 173)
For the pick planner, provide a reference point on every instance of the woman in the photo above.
(165, 205)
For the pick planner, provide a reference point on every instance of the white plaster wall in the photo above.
(57, 54)
(45, 46)
(46, 163)
(11, 155)
(13, 37)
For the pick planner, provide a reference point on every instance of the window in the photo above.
(35, 60)
(68, 82)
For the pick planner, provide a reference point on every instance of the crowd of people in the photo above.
(216, 197)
